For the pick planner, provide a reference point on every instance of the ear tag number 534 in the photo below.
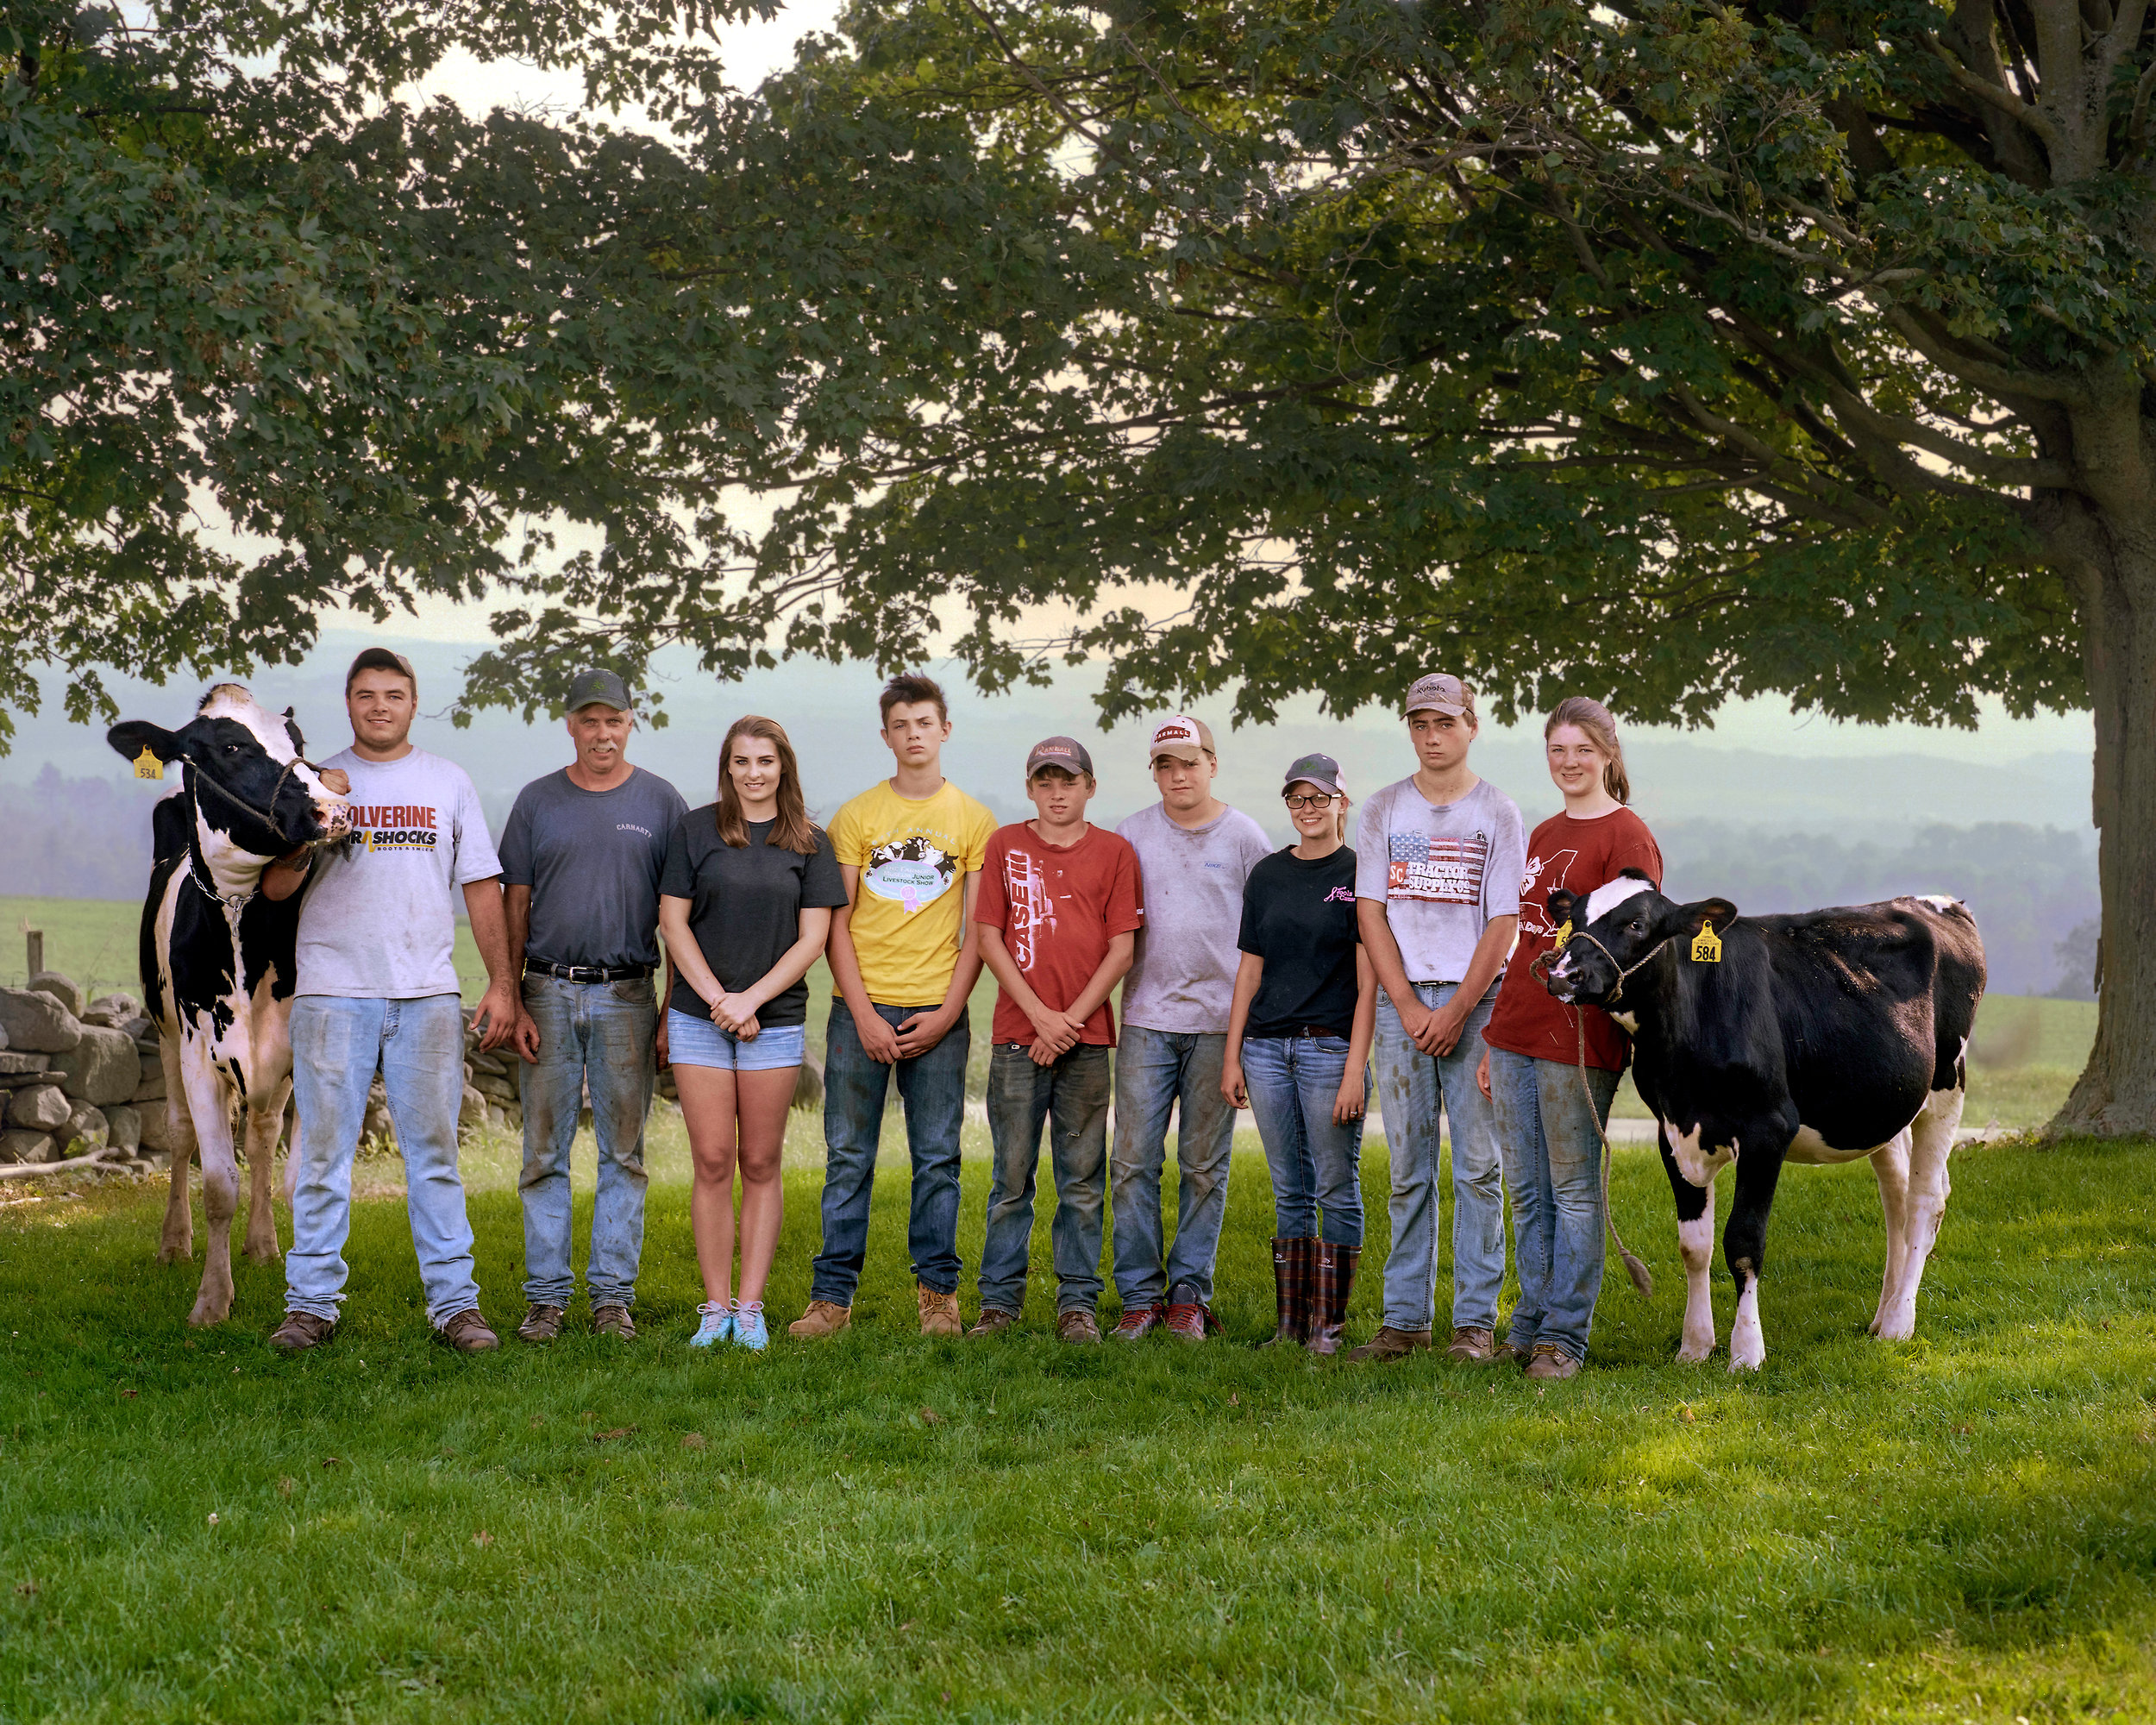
(1564, 935)
(148, 766)
(1707, 945)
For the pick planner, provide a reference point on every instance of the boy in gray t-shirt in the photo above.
(1193, 854)
(1438, 858)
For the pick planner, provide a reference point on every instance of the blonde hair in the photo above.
(1589, 715)
(791, 830)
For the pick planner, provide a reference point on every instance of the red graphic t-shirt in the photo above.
(1575, 856)
(1057, 909)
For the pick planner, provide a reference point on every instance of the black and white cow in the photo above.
(1760, 1040)
(218, 957)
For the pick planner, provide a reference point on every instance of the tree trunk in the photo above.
(2116, 1095)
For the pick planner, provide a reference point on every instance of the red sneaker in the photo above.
(1138, 1321)
(1189, 1320)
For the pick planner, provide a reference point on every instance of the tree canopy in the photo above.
(1668, 349)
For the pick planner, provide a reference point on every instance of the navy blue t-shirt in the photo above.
(1299, 918)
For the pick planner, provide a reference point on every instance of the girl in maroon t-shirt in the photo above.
(1531, 1073)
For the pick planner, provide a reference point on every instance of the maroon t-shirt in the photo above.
(1575, 856)
(1056, 910)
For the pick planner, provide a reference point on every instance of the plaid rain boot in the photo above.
(1336, 1267)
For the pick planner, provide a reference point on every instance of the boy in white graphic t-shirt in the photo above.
(1438, 858)
(377, 982)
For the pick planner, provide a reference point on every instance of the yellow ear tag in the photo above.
(148, 766)
(1707, 945)
(1564, 935)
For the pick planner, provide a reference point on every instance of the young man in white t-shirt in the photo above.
(1438, 862)
(377, 982)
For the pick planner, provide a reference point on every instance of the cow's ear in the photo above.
(1718, 912)
(131, 737)
(292, 730)
(1563, 907)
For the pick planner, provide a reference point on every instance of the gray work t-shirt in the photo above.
(1441, 871)
(379, 922)
(591, 859)
(1182, 980)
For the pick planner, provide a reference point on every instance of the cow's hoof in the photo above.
(176, 1251)
(209, 1311)
(265, 1254)
(1897, 1330)
(1689, 1355)
(1743, 1363)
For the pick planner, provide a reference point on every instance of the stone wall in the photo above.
(78, 1078)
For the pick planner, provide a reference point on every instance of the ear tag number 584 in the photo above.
(1707, 945)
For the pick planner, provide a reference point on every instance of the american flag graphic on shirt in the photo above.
(1444, 871)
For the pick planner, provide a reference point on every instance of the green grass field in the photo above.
(2028, 1052)
(1962, 1527)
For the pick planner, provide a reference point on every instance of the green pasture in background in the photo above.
(2026, 1056)
(885, 1529)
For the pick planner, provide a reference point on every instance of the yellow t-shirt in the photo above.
(913, 858)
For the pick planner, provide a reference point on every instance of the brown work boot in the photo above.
(1508, 1353)
(1550, 1363)
(613, 1320)
(301, 1331)
(995, 1320)
(541, 1324)
(1077, 1325)
(466, 1332)
(1139, 1321)
(1471, 1346)
(939, 1313)
(1391, 1344)
(823, 1318)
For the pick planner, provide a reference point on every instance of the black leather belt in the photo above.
(1309, 1030)
(587, 972)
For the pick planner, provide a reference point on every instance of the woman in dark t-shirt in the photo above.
(1531, 1071)
(1297, 1052)
(745, 902)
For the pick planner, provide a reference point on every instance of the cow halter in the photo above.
(196, 779)
(1623, 971)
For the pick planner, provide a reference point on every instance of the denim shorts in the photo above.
(699, 1042)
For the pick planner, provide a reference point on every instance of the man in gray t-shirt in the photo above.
(580, 861)
(1193, 854)
(1438, 862)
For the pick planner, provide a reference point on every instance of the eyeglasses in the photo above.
(1300, 803)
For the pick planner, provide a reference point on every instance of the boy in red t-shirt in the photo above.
(1059, 909)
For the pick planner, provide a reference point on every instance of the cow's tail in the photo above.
(1642, 1277)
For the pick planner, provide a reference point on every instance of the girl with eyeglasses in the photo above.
(1298, 1053)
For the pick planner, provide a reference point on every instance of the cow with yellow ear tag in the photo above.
(1821, 1038)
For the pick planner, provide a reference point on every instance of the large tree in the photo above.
(1665, 351)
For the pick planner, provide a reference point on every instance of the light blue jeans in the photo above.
(1071, 1098)
(1156, 1071)
(602, 1035)
(1414, 1089)
(1553, 1165)
(1293, 1082)
(419, 1045)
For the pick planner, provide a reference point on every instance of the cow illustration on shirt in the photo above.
(912, 870)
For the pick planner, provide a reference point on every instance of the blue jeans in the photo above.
(1071, 1097)
(1293, 1082)
(1553, 1165)
(419, 1044)
(604, 1035)
(932, 1086)
(1156, 1071)
(1413, 1088)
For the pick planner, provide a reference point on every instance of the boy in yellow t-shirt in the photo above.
(903, 957)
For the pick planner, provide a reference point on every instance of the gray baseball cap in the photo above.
(1439, 691)
(1322, 770)
(597, 687)
(1067, 752)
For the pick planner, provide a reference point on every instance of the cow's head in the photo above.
(251, 783)
(1620, 925)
